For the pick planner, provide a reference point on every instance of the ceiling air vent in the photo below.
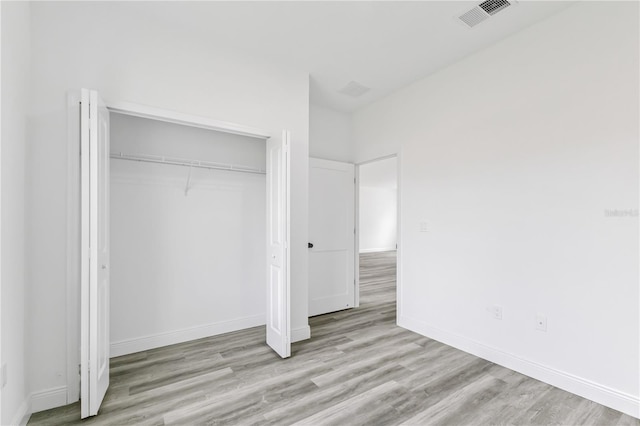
(354, 89)
(484, 10)
(494, 6)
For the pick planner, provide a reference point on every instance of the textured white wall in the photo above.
(378, 219)
(378, 205)
(15, 104)
(184, 265)
(514, 156)
(151, 65)
(330, 134)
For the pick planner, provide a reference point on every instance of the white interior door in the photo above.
(94, 282)
(332, 234)
(278, 287)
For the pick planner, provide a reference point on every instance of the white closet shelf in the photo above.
(146, 158)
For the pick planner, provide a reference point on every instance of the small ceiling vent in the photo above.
(483, 11)
(494, 6)
(354, 89)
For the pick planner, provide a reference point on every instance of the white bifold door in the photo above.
(331, 236)
(94, 264)
(278, 286)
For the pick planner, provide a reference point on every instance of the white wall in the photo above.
(184, 267)
(378, 205)
(330, 134)
(15, 103)
(513, 156)
(152, 65)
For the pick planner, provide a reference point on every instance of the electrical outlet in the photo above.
(3, 375)
(424, 227)
(496, 311)
(541, 322)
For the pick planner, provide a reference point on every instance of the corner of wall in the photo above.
(47, 399)
(22, 416)
(301, 333)
(588, 389)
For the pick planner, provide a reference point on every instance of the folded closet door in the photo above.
(278, 287)
(94, 284)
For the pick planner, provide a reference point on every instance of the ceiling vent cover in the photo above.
(483, 11)
(354, 89)
(494, 6)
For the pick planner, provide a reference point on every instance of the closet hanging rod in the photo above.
(185, 162)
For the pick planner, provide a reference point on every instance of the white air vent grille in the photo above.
(354, 89)
(484, 11)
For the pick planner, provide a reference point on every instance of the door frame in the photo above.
(73, 207)
(398, 157)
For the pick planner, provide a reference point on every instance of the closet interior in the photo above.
(187, 233)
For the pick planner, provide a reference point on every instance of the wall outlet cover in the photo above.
(496, 311)
(541, 322)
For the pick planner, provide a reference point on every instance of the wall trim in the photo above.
(153, 113)
(139, 344)
(22, 416)
(377, 250)
(585, 388)
(49, 398)
(301, 333)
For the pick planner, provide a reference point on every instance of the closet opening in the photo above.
(178, 229)
(188, 233)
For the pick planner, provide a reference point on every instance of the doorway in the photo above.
(378, 232)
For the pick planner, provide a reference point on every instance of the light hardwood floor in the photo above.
(358, 368)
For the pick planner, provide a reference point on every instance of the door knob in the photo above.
(310, 245)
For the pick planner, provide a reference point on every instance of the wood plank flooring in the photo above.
(358, 368)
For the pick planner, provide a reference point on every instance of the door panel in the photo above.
(331, 231)
(278, 286)
(94, 288)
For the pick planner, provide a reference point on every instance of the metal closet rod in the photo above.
(184, 162)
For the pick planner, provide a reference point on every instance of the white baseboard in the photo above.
(376, 250)
(49, 398)
(21, 418)
(302, 333)
(604, 395)
(144, 343)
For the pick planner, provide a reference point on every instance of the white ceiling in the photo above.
(384, 45)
